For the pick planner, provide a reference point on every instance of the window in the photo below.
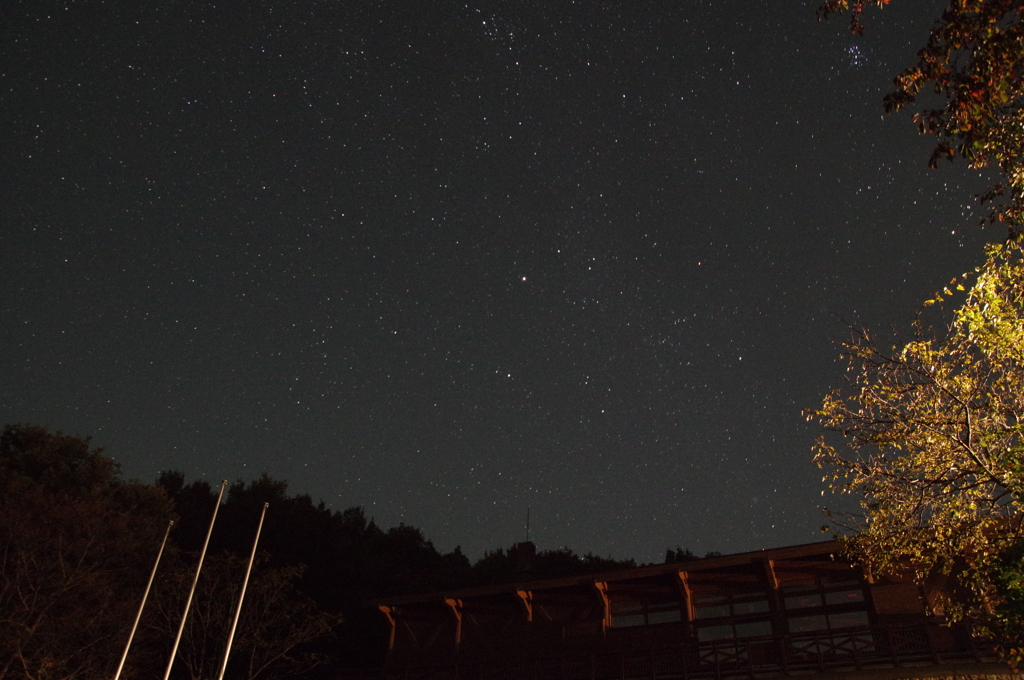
(748, 629)
(628, 611)
(818, 591)
(806, 624)
(825, 602)
(644, 609)
(848, 620)
(803, 601)
(718, 603)
(715, 633)
(845, 596)
(832, 634)
(726, 614)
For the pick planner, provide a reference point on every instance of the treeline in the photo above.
(346, 559)
(77, 544)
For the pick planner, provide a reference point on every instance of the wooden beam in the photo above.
(526, 599)
(602, 592)
(770, 575)
(456, 607)
(826, 550)
(686, 595)
(389, 613)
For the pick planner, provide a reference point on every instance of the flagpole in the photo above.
(195, 579)
(145, 595)
(241, 596)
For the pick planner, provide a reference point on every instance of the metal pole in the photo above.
(145, 595)
(241, 596)
(195, 579)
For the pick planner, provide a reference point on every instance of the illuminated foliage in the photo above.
(1007, 627)
(974, 60)
(933, 444)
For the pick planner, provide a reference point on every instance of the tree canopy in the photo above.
(974, 61)
(934, 450)
(77, 542)
(75, 547)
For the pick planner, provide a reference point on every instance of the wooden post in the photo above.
(389, 612)
(686, 595)
(526, 599)
(602, 593)
(456, 607)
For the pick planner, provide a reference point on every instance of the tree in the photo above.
(679, 554)
(1008, 624)
(275, 622)
(974, 59)
(76, 544)
(500, 566)
(934, 449)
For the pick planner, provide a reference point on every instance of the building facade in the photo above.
(800, 610)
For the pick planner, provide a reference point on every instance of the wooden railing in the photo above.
(833, 651)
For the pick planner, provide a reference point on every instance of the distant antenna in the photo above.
(527, 523)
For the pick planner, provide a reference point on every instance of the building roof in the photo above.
(706, 564)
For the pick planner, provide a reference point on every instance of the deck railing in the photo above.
(833, 651)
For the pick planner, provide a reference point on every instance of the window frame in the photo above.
(650, 603)
(824, 585)
(736, 614)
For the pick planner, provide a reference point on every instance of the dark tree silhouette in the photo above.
(274, 629)
(76, 544)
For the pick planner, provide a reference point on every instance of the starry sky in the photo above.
(454, 260)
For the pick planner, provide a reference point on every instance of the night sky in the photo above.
(449, 261)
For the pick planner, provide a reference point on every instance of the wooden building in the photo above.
(799, 610)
